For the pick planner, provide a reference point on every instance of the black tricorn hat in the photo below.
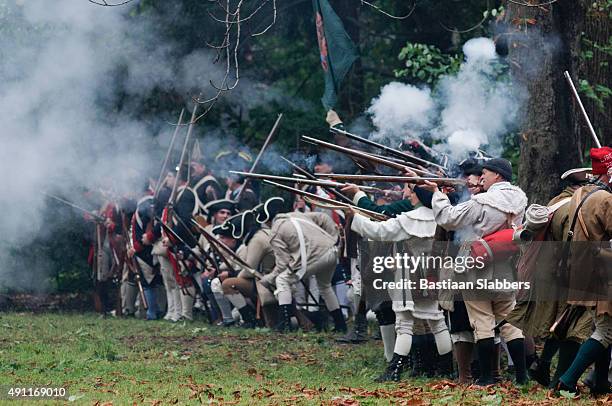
(240, 224)
(269, 209)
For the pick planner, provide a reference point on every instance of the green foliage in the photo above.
(598, 93)
(426, 63)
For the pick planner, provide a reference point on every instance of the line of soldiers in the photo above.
(189, 245)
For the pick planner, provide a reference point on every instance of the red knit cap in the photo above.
(601, 159)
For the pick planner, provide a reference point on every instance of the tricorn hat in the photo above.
(576, 174)
(269, 209)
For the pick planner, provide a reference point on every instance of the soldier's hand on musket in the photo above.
(431, 186)
(131, 252)
(223, 276)
(350, 190)
(410, 173)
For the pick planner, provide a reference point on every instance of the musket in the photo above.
(161, 174)
(218, 245)
(392, 151)
(261, 151)
(582, 109)
(393, 179)
(176, 237)
(369, 213)
(208, 257)
(133, 266)
(93, 215)
(183, 154)
(305, 181)
(310, 176)
(368, 157)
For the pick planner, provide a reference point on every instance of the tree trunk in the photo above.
(543, 42)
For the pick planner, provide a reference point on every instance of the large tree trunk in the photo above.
(543, 42)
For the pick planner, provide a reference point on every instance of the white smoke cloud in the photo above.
(468, 110)
(401, 108)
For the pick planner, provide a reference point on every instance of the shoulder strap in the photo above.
(303, 257)
(570, 233)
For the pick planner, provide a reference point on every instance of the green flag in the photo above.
(337, 50)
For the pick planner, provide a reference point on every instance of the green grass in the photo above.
(133, 361)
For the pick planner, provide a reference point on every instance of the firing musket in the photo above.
(393, 179)
(219, 245)
(310, 176)
(400, 154)
(93, 215)
(261, 151)
(582, 109)
(372, 214)
(304, 181)
(170, 148)
(368, 157)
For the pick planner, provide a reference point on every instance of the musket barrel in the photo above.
(161, 173)
(392, 179)
(366, 156)
(301, 180)
(385, 148)
(309, 175)
(582, 109)
(370, 213)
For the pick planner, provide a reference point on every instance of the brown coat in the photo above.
(591, 264)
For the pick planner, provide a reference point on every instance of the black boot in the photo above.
(358, 334)
(516, 348)
(445, 365)
(431, 355)
(486, 350)
(601, 385)
(567, 352)
(394, 369)
(318, 319)
(248, 317)
(418, 356)
(339, 322)
(540, 373)
(284, 318)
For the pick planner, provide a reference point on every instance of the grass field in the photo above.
(124, 362)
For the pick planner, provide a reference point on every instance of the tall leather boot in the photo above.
(284, 318)
(339, 322)
(359, 332)
(248, 316)
(394, 369)
(463, 353)
(270, 313)
(486, 350)
(540, 372)
(601, 385)
(444, 367)
(496, 363)
(418, 356)
(567, 353)
(516, 348)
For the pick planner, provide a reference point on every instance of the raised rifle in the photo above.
(393, 179)
(261, 151)
(400, 154)
(368, 157)
(371, 214)
(570, 82)
(170, 148)
(94, 216)
(310, 176)
(305, 181)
